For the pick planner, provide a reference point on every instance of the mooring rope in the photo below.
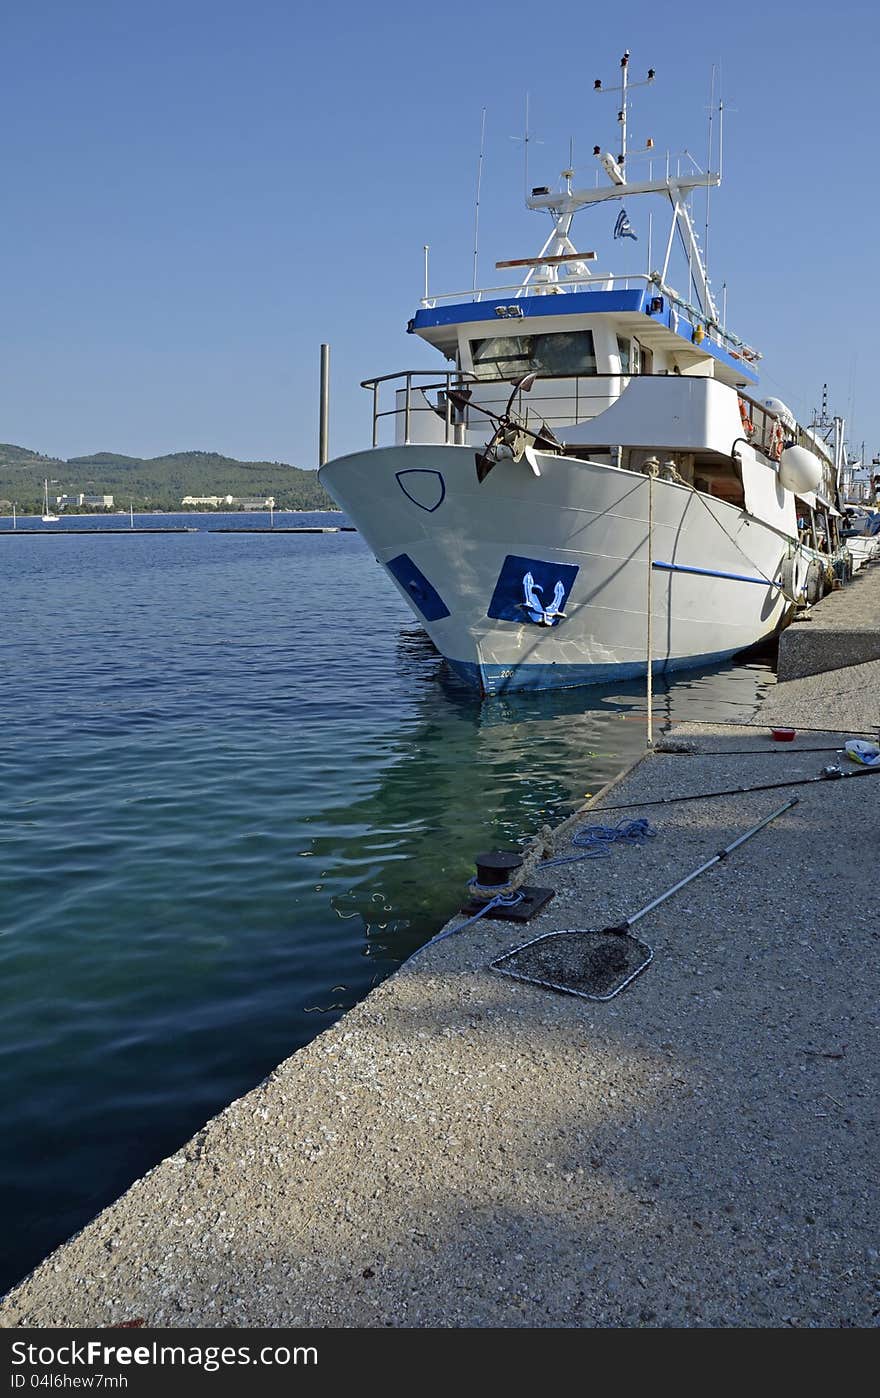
(501, 900)
(596, 840)
(740, 550)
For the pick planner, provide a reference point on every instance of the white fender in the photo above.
(799, 470)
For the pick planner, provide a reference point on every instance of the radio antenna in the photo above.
(526, 152)
(527, 140)
(708, 172)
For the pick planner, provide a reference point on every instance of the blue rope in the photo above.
(596, 840)
(501, 900)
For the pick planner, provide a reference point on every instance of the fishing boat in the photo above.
(594, 484)
(861, 533)
(47, 516)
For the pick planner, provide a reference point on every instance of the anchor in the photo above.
(537, 612)
(510, 440)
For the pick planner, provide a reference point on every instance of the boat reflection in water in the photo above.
(530, 759)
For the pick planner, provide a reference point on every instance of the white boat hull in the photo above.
(458, 552)
(863, 549)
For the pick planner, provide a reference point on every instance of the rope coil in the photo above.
(596, 840)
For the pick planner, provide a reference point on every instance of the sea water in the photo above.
(237, 788)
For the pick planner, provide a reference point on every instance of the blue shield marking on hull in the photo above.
(425, 488)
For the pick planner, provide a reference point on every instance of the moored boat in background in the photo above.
(47, 516)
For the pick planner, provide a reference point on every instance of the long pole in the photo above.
(650, 638)
(477, 201)
(324, 429)
(716, 859)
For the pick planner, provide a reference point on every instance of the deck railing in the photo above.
(458, 419)
(762, 427)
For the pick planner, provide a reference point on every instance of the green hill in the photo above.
(159, 483)
(10, 455)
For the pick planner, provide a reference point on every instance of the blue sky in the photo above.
(197, 194)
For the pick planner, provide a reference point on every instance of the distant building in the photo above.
(79, 501)
(233, 502)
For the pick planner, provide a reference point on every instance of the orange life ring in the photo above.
(778, 442)
(744, 414)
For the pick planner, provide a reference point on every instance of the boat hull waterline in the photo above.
(459, 552)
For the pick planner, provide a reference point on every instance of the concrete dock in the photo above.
(843, 629)
(285, 529)
(26, 533)
(462, 1149)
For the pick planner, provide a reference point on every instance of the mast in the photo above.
(623, 113)
(559, 266)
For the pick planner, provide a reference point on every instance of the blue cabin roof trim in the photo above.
(576, 303)
(582, 303)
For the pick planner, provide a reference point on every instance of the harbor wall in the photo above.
(843, 629)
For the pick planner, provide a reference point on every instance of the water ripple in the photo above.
(235, 777)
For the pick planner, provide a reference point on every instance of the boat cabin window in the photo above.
(563, 354)
(630, 352)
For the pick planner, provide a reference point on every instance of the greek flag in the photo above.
(623, 227)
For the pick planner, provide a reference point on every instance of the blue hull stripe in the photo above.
(504, 679)
(712, 573)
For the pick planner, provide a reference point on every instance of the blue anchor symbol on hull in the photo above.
(534, 607)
